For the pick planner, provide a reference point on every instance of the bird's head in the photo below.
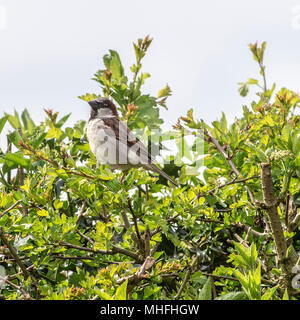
(102, 107)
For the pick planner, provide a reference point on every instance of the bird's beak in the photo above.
(93, 104)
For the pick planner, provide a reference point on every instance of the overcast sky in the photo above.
(50, 50)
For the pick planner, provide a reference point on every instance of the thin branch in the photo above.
(147, 192)
(8, 151)
(186, 278)
(219, 276)
(13, 276)
(10, 208)
(134, 220)
(255, 233)
(222, 151)
(234, 181)
(139, 275)
(85, 237)
(126, 252)
(125, 220)
(294, 223)
(21, 169)
(25, 293)
(58, 256)
(74, 246)
(228, 159)
(14, 254)
(147, 237)
(114, 250)
(81, 213)
(158, 229)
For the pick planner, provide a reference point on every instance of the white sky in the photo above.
(49, 50)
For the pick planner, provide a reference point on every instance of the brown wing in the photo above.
(126, 136)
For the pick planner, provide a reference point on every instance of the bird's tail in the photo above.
(162, 173)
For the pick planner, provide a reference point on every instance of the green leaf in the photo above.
(257, 279)
(88, 97)
(269, 293)
(43, 213)
(239, 295)
(14, 120)
(253, 253)
(15, 138)
(112, 62)
(27, 121)
(103, 295)
(223, 123)
(54, 132)
(260, 154)
(62, 121)
(2, 123)
(243, 89)
(267, 120)
(244, 253)
(165, 92)
(252, 81)
(243, 280)
(296, 143)
(18, 159)
(39, 139)
(121, 293)
(149, 291)
(285, 295)
(205, 293)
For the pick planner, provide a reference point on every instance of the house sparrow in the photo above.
(113, 143)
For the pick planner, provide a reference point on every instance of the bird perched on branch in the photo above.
(114, 144)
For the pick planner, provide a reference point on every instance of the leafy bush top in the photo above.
(70, 230)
